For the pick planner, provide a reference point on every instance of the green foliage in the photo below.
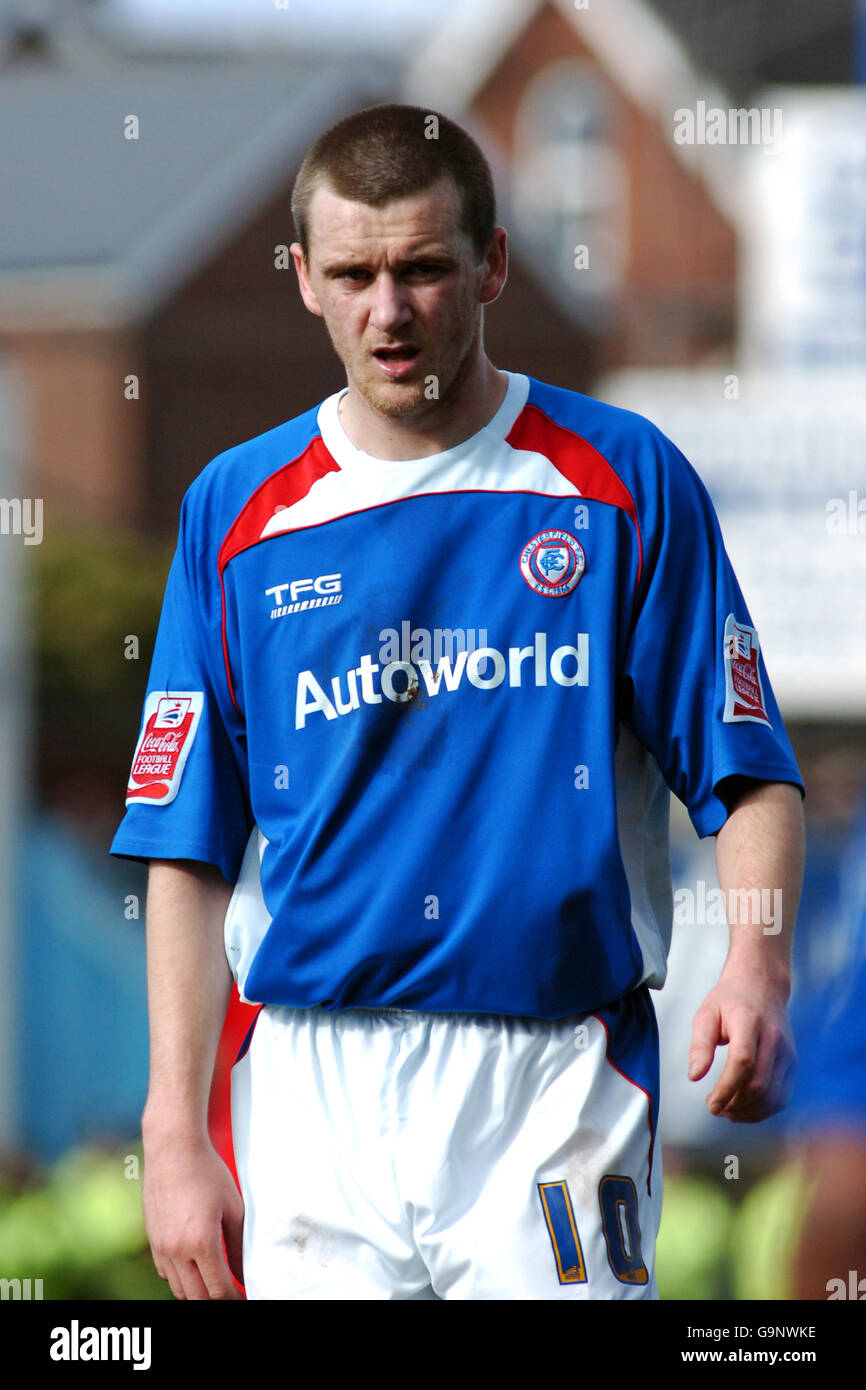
(766, 1235)
(693, 1240)
(91, 593)
(81, 1232)
(716, 1243)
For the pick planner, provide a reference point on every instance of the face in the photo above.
(400, 289)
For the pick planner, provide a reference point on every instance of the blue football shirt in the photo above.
(436, 706)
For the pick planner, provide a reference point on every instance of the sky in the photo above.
(381, 25)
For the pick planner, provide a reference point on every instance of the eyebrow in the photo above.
(334, 269)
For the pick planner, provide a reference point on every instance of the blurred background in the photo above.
(684, 183)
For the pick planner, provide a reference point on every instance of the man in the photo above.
(439, 644)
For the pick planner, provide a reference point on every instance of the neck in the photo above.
(470, 403)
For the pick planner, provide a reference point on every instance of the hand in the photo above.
(750, 1014)
(190, 1205)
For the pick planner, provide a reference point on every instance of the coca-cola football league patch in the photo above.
(170, 723)
(744, 694)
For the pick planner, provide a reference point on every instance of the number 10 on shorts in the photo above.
(619, 1218)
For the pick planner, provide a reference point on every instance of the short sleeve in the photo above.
(694, 687)
(188, 789)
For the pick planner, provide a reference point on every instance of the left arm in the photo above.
(759, 854)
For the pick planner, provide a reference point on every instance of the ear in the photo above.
(307, 293)
(495, 267)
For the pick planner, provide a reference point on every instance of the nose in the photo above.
(390, 308)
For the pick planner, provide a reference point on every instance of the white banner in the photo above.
(784, 460)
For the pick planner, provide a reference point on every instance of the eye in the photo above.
(426, 269)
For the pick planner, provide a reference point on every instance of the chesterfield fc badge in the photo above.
(552, 563)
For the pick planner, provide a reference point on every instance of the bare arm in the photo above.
(190, 1199)
(759, 853)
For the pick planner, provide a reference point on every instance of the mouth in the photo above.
(396, 361)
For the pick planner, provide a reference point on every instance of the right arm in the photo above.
(190, 1199)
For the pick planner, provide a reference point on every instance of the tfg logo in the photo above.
(326, 588)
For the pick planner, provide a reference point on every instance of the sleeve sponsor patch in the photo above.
(744, 694)
(170, 724)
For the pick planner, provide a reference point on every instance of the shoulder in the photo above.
(588, 415)
(648, 464)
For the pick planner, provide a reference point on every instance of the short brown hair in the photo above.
(390, 151)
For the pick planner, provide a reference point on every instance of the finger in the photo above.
(705, 1038)
(739, 1067)
(233, 1239)
(749, 1108)
(215, 1272)
(747, 1114)
(758, 1100)
(173, 1278)
(165, 1268)
(198, 1271)
(220, 1284)
(194, 1287)
(757, 1089)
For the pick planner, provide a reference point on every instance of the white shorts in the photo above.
(406, 1155)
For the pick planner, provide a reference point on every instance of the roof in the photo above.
(637, 50)
(99, 227)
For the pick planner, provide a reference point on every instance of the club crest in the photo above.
(552, 563)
